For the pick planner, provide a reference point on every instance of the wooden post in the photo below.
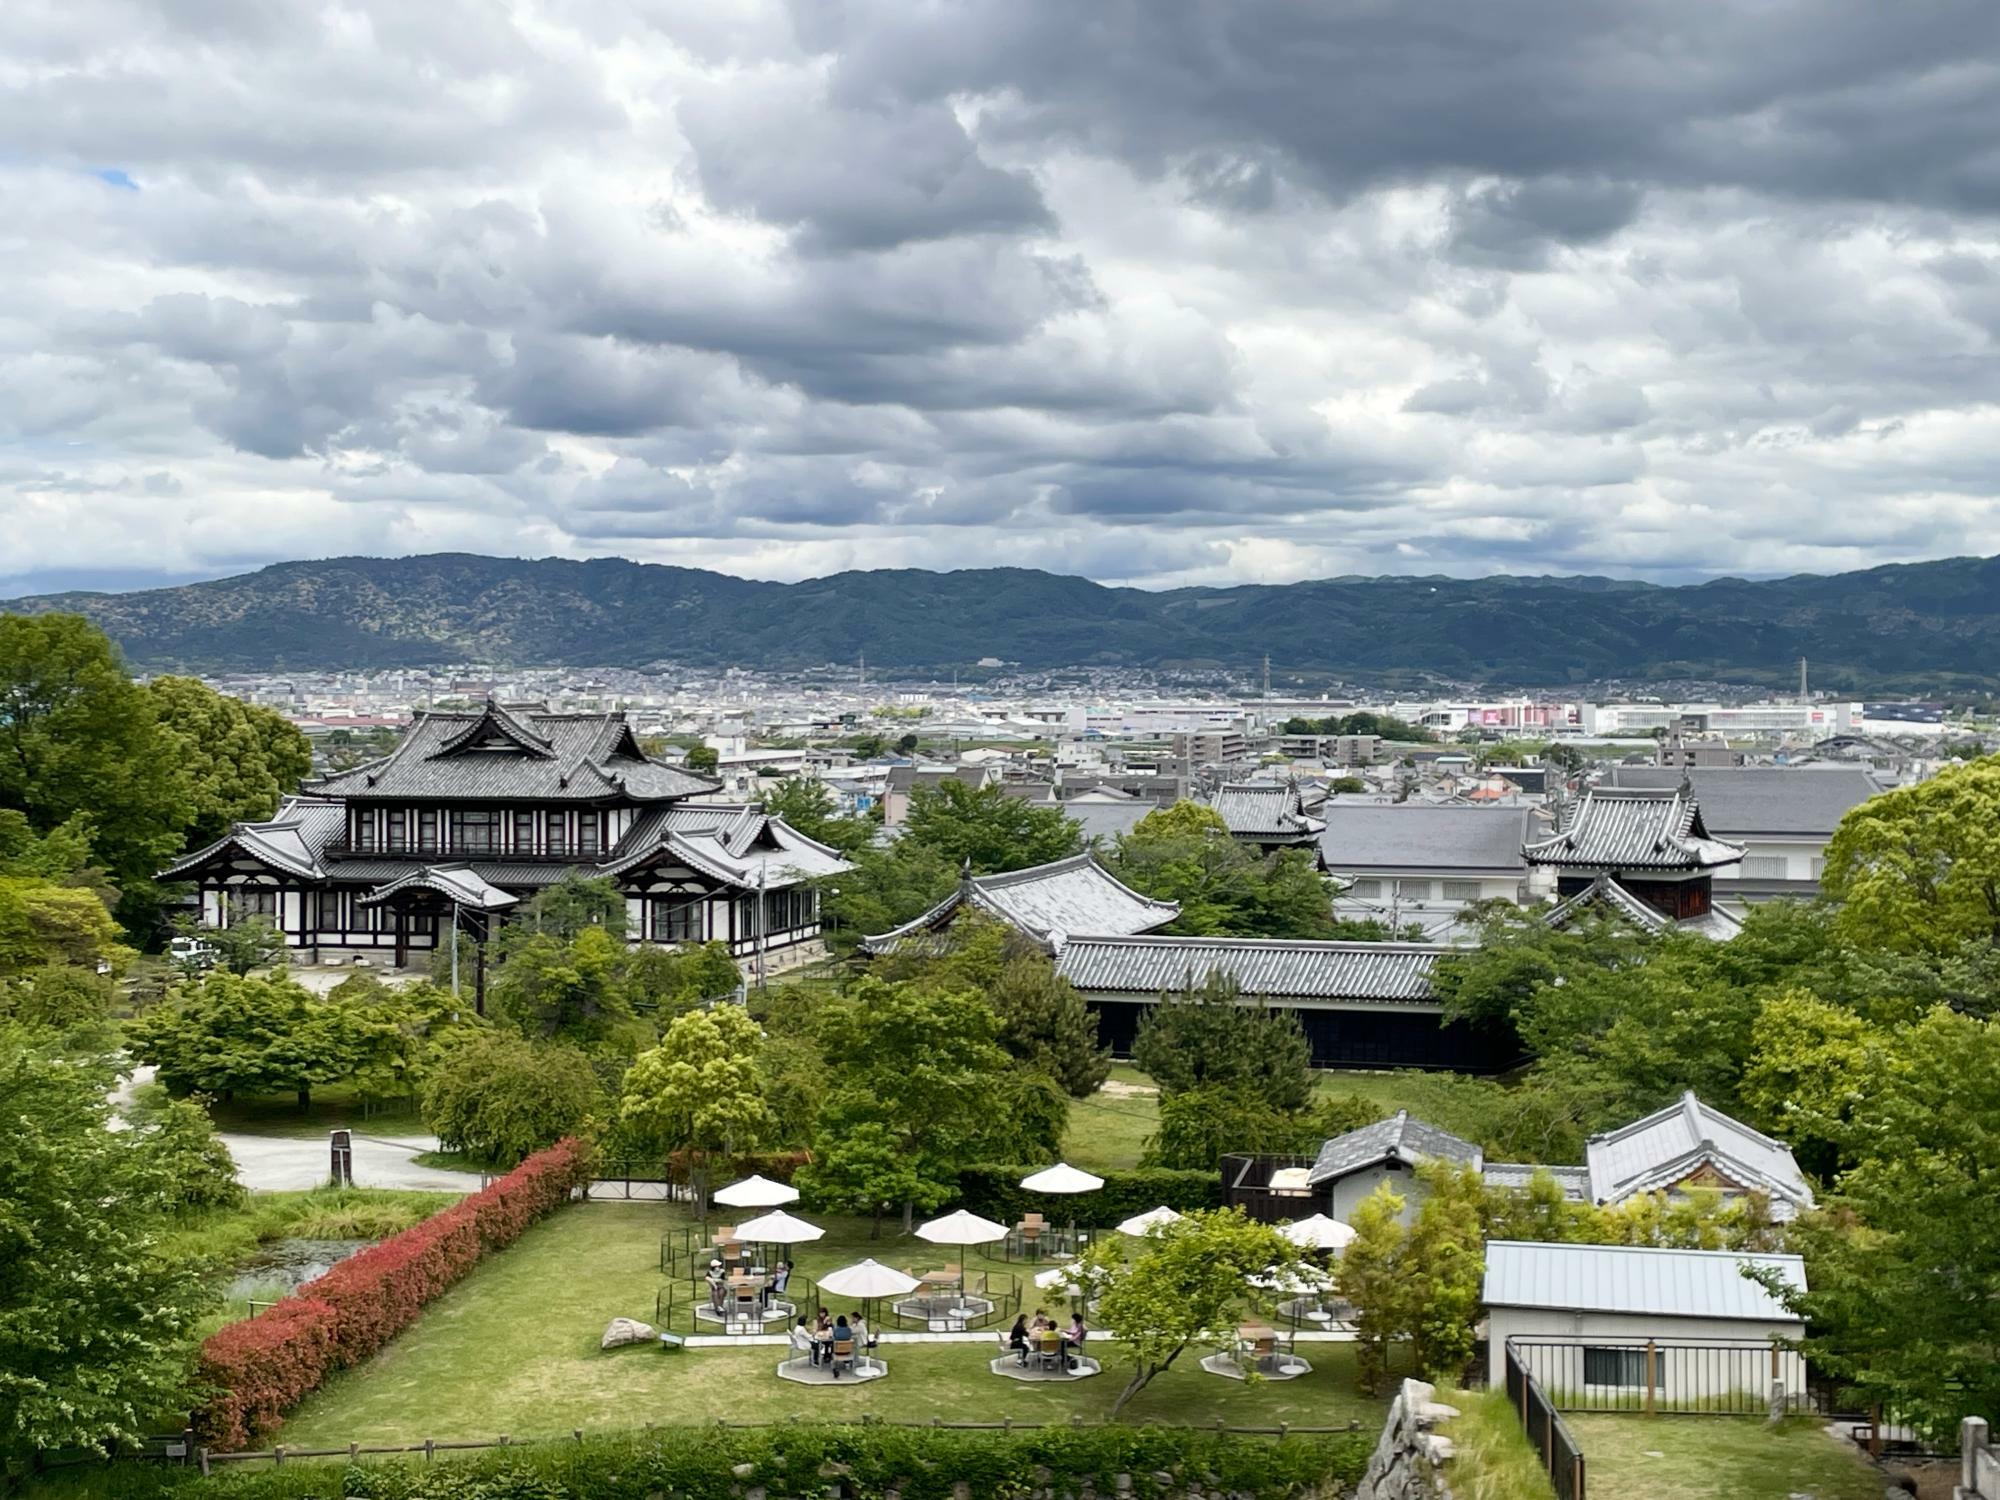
(202, 1455)
(353, 1452)
(1875, 1430)
(278, 1456)
(430, 1449)
(1652, 1364)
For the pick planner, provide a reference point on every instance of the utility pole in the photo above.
(1802, 681)
(1267, 677)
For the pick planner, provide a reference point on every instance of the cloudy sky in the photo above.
(1157, 291)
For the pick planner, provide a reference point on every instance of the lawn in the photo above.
(332, 1104)
(513, 1350)
(1108, 1130)
(1492, 1457)
(1718, 1458)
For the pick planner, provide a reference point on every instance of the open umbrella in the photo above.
(962, 1229)
(1151, 1219)
(779, 1228)
(756, 1192)
(1318, 1233)
(1063, 1179)
(868, 1278)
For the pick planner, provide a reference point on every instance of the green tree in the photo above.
(667, 981)
(58, 998)
(96, 1326)
(1046, 1025)
(703, 760)
(499, 1097)
(1206, 1033)
(1812, 1065)
(1186, 1285)
(42, 923)
(551, 987)
(808, 806)
(987, 828)
(1370, 1278)
(189, 1167)
(234, 1034)
(1905, 1258)
(1198, 1125)
(244, 942)
(1185, 853)
(78, 737)
(239, 758)
(1917, 869)
(862, 1169)
(700, 1091)
(1444, 1265)
(566, 910)
(885, 889)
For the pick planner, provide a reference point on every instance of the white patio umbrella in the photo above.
(756, 1192)
(961, 1228)
(1149, 1220)
(779, 1228)
(868, 1278)
(1054, 1276)
(1063, 1179)
(1318, 1233)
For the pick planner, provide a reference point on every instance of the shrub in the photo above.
(499, 1097)
(916, 1463)
(996, 1193)
(258, 1369)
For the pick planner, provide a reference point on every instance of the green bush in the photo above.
(996, 1193)
(867, 1462)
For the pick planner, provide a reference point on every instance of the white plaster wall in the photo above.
(1681, 1372)
(1349, 1191)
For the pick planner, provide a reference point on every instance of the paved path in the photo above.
(271, 1163)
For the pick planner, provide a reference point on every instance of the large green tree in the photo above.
(239, 758)
(499, 1098)
(1208, 1033)
(549, 986)
(986, 828)
(700, 1091)
(1185, 853)
(1187, 1285)
(808, 806)
(79, 737)
(1918, 869)
(96, 1326)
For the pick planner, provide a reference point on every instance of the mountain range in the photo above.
(1909, 628)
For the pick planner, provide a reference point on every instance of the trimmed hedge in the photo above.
(996, 1193)
(260, 1368)
(866, 1462)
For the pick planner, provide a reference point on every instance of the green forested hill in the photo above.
(1902, 628)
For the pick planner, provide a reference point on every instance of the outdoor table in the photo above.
(1259, 1340)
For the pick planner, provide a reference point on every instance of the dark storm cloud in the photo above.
(1154, 289)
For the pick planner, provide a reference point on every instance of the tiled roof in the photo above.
(1631, 1279)
(1273, 968)
(460, 883)
(1264, 809)
(495, 755)
(1105, 820)
(512, 874)
(1574, 1181)
(291, 841)
(1741, 802)
(1605, 894)
(1365, 838)
(1613, 829)
(737, 844)
(1669, 1145)
(1398, 1138)
(1051, 902)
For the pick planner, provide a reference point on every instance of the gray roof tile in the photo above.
(1398, 1138)
(1362, 838)
(1669, 1145)
(1741, 802)
(1048, 902)
(1263, 809)
(1281, 969)
(1612, 829)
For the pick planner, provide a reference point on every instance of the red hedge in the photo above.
(262, 1367)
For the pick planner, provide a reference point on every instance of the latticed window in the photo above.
(524, 833)
(1461, 890)
(677, 919)
(586, 833)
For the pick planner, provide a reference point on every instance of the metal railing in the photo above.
(1680, 1377)
(1562, 1458)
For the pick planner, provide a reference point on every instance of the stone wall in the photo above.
(1408, 1462)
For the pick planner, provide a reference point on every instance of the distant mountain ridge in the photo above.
(1904, 628)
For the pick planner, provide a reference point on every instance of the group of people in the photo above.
(718, 1284)
(815, 1337)
(1030, 1334)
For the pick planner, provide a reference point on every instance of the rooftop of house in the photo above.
(1677, 1142)
(1265, 968)
(1264, 809)
(1741, 802)
(1050, 903)
(1362, 837)
(1398, 1138)
(1605, 894)
(1640, 1280)
(1651, 830)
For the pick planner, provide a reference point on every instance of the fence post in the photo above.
(430, 1449)
(1875, 1430)
(202, 1454)
(1652, 1364)
(1971, 1443)
(1576, 1477)
(1549, 1437)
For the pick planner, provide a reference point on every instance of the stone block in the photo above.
(621, 1331)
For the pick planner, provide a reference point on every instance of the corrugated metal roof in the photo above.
(1628, 1279)
(1361, 838)
(497, 756)
(1273, 968)
(1669, 1145)
(1398, 1138)
(1613, 829)
(1741, 802)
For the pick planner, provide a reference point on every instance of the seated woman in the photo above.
(803, 1342)
(1073, 1337)
(781, 1275)
(1017, 1338)
(864, 1336)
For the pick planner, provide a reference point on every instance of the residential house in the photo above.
(1405, 864)
(905, 780)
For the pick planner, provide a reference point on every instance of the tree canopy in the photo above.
(1917, 869)
(1207, 1033)
(1185, 853)
(987, 829)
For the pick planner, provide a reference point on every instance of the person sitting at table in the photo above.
(863, 1338)
(803, 1341)
(1017, 1338)
(781, 1276)
(717, 1286)
(1073, 1337)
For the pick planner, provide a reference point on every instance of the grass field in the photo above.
(332, 1104)
(1718, 1458)
(513, 1350)
(1493, 1459)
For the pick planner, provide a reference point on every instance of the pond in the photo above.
(283, 1266)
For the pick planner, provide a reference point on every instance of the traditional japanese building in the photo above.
(1266, 815)
(1644, 855)
(474, 812)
